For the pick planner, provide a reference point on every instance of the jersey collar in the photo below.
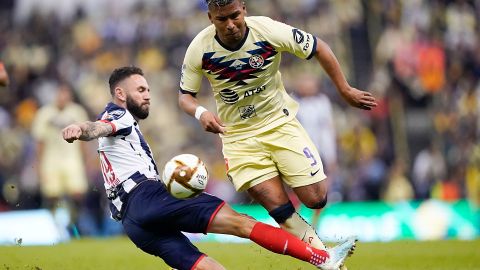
(238, 46)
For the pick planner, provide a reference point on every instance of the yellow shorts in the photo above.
(286, 150)
(58, 181)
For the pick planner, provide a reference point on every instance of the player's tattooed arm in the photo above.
(86, 131)
(93, 130)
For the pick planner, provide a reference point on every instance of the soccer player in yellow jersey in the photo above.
(263, 143)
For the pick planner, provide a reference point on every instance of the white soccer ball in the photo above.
(185, 176)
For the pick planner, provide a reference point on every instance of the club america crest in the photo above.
(256, 61)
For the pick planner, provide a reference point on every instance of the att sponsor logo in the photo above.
(254, 91)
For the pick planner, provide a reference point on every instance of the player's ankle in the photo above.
(297, 226)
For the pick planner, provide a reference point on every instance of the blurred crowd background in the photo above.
(420, 58)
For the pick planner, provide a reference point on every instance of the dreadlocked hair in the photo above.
(219, 3)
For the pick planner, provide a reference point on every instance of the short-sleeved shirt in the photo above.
(246, 82)
(124, 154)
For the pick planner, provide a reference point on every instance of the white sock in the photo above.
(297, 226)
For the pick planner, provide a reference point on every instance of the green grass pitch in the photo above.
(120, 253)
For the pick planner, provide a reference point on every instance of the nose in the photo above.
(230, 25)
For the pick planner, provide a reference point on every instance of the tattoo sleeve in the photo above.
(93, 130)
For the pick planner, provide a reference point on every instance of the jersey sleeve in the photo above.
(191, 76)
(120, 120)
(293, 40)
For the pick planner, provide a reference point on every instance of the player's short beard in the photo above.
(136, 109)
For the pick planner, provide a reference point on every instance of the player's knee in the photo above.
(317, 203)
(283, 212)
(228, 221)
(243, 226)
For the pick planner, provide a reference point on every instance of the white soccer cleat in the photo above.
(343, 266)
(338, 254)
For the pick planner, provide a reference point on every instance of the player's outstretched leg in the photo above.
(282, 242)
(228, 221)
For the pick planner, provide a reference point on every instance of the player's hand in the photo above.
(211, 123)
(359, 99)
(71, 133)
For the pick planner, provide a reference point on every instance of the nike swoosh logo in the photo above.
(315, 172)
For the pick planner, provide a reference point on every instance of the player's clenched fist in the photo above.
(71, 133)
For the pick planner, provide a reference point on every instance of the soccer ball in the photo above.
(185, 176)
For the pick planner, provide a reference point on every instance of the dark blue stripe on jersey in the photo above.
(242, 70)
(99, 117)
(123, 132)
(137, 177)
(188, 93)
(145, 147)
(109, 108)
(112, 107)
(314, 49)
(215, 65)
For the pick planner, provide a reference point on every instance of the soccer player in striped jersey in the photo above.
(264, 145)
(152, 218)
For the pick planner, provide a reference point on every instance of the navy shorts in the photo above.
(154, 221)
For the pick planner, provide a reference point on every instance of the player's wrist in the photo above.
(199, 111)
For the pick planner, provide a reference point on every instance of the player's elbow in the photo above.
(186, 100)
(181, 100)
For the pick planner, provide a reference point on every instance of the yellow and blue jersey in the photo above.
(246, 82)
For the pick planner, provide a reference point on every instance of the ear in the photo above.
(210, 17)
(120, 94)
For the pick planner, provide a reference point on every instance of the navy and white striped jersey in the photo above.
(124, 154)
